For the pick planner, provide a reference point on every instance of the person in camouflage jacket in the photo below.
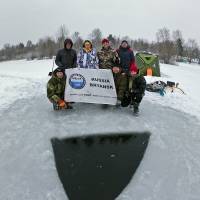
(56, 90)
(108, 58)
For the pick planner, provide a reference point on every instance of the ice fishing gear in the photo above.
(170, 83)
(172, 86)
(156, 86)
(161, 87)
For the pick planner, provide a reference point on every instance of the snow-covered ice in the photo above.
(171, 165)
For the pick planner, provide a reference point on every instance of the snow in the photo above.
(20, 79)
(188, 77)
(27, 69)
(171, 165)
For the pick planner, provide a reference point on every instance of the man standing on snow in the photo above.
(127, 62)
(108, 58)
(66, 58)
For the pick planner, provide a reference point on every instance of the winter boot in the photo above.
(136, 108)
(56, 106)
(118, 104)
(68, 106)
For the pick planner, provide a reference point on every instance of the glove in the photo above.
(61, 103)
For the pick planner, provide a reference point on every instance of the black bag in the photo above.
(170, 83)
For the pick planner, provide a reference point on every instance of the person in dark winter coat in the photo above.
(127, 58)
(56, 90)
(66, 58)
(135, 92)
(127, 62)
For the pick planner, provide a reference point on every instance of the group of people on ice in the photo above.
(130, 84)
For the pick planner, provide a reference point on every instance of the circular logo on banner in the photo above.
(77, 81)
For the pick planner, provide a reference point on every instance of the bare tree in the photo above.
(163, 35)
(179, 42)
(62, 34)
(77, 40)
(177, 34)
(141, 45)
(165, 45)
(8, 51)
(192, 49)
(96, 37)
(50, 47)
(29, 44)
(46, 47)
(112, 40)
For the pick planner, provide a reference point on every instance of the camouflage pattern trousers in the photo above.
(121, 84)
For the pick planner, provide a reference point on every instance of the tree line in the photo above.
(170, 46)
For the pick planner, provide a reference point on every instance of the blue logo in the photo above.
(77, 81)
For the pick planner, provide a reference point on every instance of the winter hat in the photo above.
(124, 41)
(105, 40)
(59, 70)
(68, 41)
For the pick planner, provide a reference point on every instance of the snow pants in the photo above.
(121, 84)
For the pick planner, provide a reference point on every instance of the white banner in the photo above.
(90, 86)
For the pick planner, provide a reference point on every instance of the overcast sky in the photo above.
(21, 20)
